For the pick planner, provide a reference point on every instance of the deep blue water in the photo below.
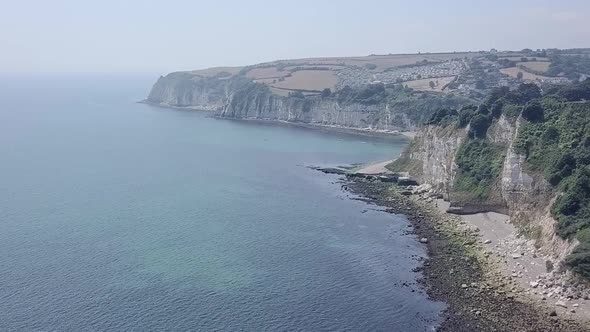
(118, 216)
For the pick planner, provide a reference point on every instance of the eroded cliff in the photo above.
(520, 153)
(373, 107)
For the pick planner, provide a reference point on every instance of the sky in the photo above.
(163, 36)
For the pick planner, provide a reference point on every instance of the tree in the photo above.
(497, 107)
(525, 93)
(431, 84)
(419, 77)
(478, 126)
(497, 93)
(483, 109)
(519, 75)
(465, 114)
(533, 111)
(296, 94)
(442, 116)
(480, 85)
(326, 93)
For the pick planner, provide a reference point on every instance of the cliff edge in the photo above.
(520, 152)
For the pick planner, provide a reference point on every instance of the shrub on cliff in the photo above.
(579, 260)
(443, 117)
(296, 94)
(559, 148)
(573, 207)
(371, 94)
(478, 126)
(555, 139)
(533, 111)
(575, 92)
(524, 93)
(466, 113)
(479, 164)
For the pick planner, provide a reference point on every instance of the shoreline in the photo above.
(405, 135)
(359, 132)
(460, 272)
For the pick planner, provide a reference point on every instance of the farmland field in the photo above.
(519, 58)
(381, 61)
(216, 70)
(513, 72)
(538, 66)
(308, 80)
(269, 72)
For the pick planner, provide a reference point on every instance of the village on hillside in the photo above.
(468, 74)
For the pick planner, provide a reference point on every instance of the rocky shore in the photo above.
(460, 272)
(352, 131)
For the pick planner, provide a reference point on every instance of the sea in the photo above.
(120, 216)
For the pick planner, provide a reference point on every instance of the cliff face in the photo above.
(256, 102)
(432, 156)
(525, 196)
(240, 98)
(183, 89)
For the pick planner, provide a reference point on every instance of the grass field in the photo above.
(389, 61)
(311, 67)
(308, 80)
(284, 76)
(538, 66)
(293, 78)
(216, 70)
(381, 61)
(270, 72)
(513, 72)
(518, 58)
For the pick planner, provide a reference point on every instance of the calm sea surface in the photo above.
(117, 216)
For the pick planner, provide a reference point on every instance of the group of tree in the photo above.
(570, 66)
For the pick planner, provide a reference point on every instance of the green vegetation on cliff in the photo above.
(480, 164)
(479, 161)
(556, 143)
(554, 137)
(568, 65)
(417, 107)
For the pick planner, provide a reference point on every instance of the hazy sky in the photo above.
(161, 36)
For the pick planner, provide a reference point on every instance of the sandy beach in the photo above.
(375, 168)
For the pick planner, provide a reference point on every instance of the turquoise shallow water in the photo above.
(117, 216)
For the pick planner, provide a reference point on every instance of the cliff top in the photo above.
(471, 74)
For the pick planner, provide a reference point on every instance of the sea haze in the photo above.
(118, 216)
